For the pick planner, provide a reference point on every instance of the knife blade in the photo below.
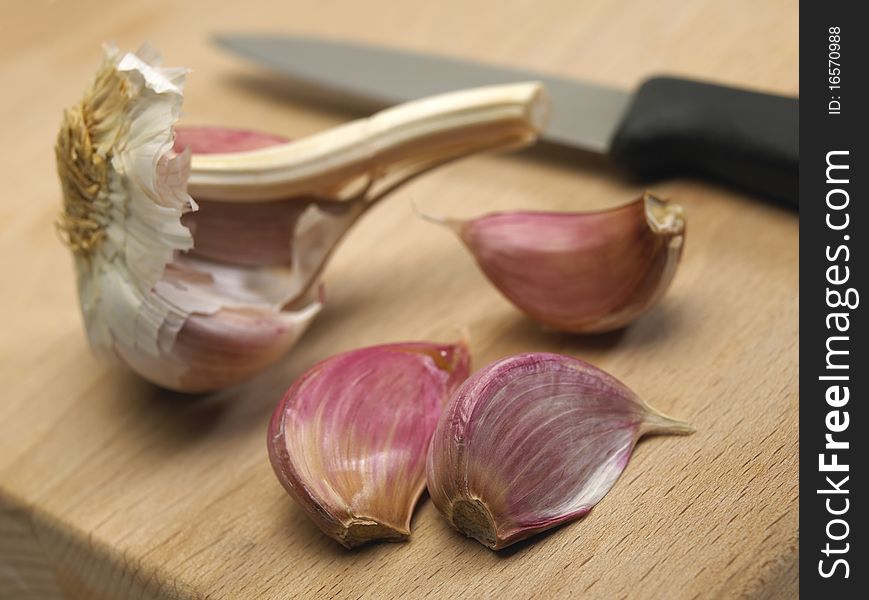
(668, 126)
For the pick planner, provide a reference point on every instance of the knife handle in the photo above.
(747, 139)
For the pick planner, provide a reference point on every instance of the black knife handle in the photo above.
(746, 139)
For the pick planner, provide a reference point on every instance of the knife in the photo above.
(668, 126)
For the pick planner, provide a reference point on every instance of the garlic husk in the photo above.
(533, 441)
(349, 439)
(200, 321)
(583, 272)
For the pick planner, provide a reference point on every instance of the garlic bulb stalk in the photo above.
(199, 321)
(531, 442)
(375, 153)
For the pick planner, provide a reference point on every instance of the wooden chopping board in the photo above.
(111, 488)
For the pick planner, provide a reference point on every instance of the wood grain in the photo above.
(112, 488)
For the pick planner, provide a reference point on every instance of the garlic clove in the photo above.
(209, 139)
(349, 439)
(580, 272)
(143, 275)
(220, 349)
(300, 232)
(533, 441)
(215, 325)
(250, 233)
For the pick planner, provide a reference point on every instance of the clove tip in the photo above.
(657, 423)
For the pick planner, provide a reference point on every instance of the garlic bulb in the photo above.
(580, 272)
(201, 320)
(350, 438)
(533, 441)
(177, 321)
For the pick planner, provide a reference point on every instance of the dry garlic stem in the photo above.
(377, 152)
(533, 441)
(580, 272)
(350, 438)
(199, 320)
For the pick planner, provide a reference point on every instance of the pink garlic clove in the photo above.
(533, 441)
(226, 347)
(252, 233)
(215, 140)
(580, 272)
(350, 438)
(233, 345)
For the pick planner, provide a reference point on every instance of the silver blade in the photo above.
(583, 115)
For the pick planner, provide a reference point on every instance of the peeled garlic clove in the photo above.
(349, 440)
(196, 303)
(580, 272)
(533, 441)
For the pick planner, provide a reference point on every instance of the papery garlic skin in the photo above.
(142, 300)
(533, 441)
(580, 272)
(349, 440)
